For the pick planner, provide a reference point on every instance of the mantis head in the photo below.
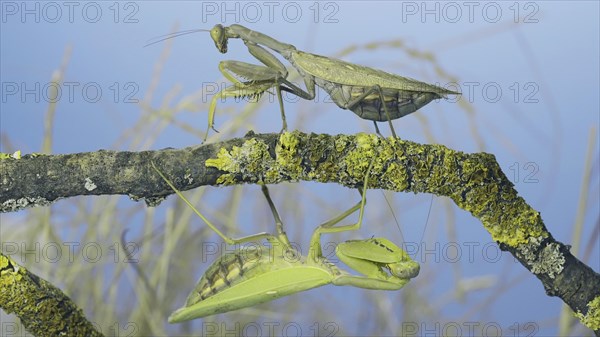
(219, 35)
(406, 268)
(378, 258)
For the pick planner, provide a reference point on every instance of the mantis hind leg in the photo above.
(377, 130)
(387, 113)
(227, 239)
(374, 89)
(278, 223)
(280, 99)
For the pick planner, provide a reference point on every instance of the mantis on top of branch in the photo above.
(251, 276)
(370, 93)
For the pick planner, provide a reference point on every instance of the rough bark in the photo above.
(44, 310)
(474, 182)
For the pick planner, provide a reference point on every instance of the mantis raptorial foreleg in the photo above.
(328, 226)
(267, 59)
(371, 257)
(249, 37)
(253, 89)
(260, 78)
(251, 72)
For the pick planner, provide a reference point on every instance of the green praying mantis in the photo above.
(251, 276)
(370, 93)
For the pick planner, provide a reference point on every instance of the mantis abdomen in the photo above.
(227, 271)
(248, 277)
(399, 103)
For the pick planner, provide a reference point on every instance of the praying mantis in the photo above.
(370, 93)
(244, 278)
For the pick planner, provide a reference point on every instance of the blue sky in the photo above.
(529, 72)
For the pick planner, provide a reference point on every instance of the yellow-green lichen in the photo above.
(506, 216)
(252, 158)
(357, 160)
(592, 318)
(10, 271)
(515, 224)
(394, 175)
(15, 155)
(346, 159)
(341, 158)
(445, 183)
(341, 143)
(323, 156)
(423, 170)
(246, 160)
(288, 159)
(474, 182)
(473, 172)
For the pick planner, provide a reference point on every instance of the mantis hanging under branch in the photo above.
(247, 277)
(370, 93)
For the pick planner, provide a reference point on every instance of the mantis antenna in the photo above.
(165, 37)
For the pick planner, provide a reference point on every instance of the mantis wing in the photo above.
(234, 282)
(342, 72)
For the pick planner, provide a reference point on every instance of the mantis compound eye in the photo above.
(218, 35)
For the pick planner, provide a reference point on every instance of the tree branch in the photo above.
(474, 182)
(44, 310)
